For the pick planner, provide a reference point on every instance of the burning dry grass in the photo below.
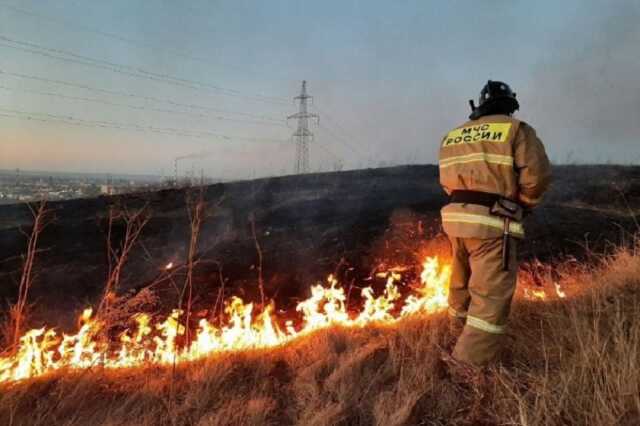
(44, 350)
(569, 361)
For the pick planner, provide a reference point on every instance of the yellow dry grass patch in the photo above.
(567, 361)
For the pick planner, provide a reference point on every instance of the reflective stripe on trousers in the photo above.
(479, 219)
(456, 314)
(485, 326)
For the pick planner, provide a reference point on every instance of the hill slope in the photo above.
(306, 226)
(568, 361)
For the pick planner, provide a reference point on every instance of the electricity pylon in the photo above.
(302, 134)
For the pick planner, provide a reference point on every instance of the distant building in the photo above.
(107, 189)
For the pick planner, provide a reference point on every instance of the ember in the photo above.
(44, 350)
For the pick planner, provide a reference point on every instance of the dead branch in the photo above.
(220, 296)
(135, 222)
(259, 251)
(41, 218)
(196, 209)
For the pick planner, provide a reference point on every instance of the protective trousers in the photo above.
(480, 293)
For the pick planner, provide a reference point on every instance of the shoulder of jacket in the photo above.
(526, 128)
(494, 118)
(517, 123)
(465, 124)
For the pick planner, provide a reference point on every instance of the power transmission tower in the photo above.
(302, 134)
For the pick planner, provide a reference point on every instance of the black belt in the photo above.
(486, 199)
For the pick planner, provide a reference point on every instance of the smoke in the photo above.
(586, 92)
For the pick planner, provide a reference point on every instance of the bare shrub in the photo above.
(17, 311)
(121, 309)
(134, 221)
(198, 209)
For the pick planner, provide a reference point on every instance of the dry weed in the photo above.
(568, 361)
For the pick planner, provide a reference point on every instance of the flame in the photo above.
(168, 266)
(561, 294)
(541, 294)
(43, 350)
(532, 294)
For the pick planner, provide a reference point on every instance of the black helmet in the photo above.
(496, 97)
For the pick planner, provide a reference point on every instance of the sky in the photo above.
(127, 86)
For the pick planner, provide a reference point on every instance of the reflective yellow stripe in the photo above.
(505, 160)
(494, 222)
(457, 314)
(485, 326)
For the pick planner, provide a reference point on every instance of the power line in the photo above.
(135, 96)
(69, 24)
(50, 118)
(132, 71)
(343, 139)
(326, 149)
(129, 71)
(137, 107)
(70, 120)
(330, 117)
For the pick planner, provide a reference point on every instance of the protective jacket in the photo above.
(495, 154)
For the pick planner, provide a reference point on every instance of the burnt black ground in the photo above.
(307, 226)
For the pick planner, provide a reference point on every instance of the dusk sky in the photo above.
(125, 86)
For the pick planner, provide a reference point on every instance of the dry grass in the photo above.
(571, 361)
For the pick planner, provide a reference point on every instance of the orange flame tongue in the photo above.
(42, 351)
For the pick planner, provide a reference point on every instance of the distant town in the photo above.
(18, 186)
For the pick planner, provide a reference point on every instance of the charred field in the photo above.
(290, 232)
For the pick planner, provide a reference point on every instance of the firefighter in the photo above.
(495, 170)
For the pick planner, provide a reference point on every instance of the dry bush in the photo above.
(197, 210)
(17, 314)
(134, 222)
(121, 309)
(568, 361)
